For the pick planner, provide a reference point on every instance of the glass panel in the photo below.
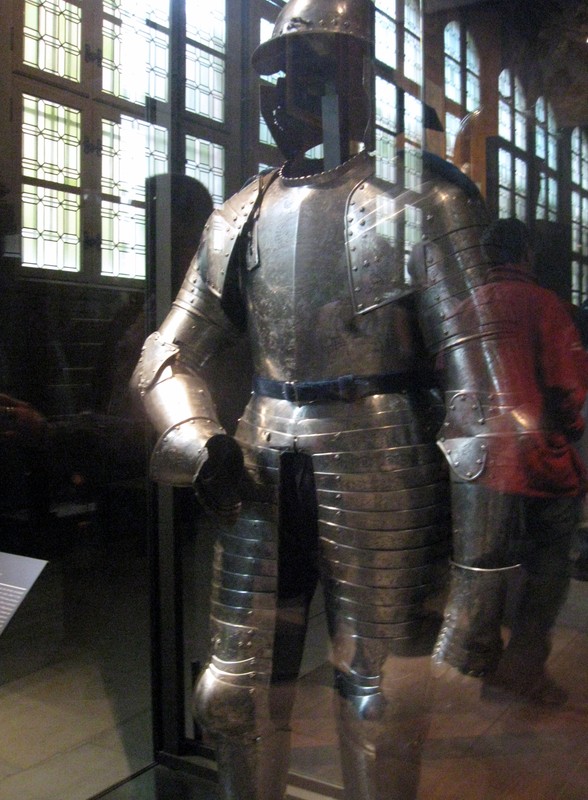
(50, 215)
(452, 80)
(540, 211)
(552, 194)
(50, 141)
(452, 41)
(123, 240)
(51, 229)
(413, 118)
(135, 53)
(52, 37)
(386, 156)
(413, 167)
(206, 23)
(520, 132)
(386, 104)
(413, 65)
(205, 161)
(132, 150)
(385, 47)
(205, 84)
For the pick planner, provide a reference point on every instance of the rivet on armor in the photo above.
(268, 437)
(456, 463)
(337, 456)
(481, 421)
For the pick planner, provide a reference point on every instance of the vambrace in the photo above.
(170, 381)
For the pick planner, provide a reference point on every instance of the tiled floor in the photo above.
(79, 723)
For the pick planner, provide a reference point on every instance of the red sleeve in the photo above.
(563, 366)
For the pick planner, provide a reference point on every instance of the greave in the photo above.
(253, 769)
(470, 638)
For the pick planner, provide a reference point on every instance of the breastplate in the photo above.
(306, 319)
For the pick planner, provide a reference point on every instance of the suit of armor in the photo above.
(333, 473)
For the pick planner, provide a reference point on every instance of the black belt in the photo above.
(346, 388)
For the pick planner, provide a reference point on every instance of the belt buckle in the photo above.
(290, 391)
(347, 388)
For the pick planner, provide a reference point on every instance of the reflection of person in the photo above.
(342, 475)
(518, 481)
(580, 544)
(21, 422)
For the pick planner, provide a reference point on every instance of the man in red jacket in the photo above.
(517, 482)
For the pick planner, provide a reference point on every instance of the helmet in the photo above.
(301, 18)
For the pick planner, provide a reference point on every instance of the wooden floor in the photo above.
(475, 749)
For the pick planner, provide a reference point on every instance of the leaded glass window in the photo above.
(51, 170)
(205, 161)
(579, 214)
(546, 152)
(132, 150)
(135, 50)
(386, 50)
(53, 37)
(205, 59)
(462, 80)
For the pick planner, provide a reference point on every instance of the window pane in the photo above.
(205, 23)
(50, 229)
(413, 65)
(205, 161)
(205, 84)
(452, 41)
(413, 118)
(385, 156)
(135, 53)
(386, 104)
(123, 240)
(50, 142)
(132, 151)
(386, 39)
(52, 37)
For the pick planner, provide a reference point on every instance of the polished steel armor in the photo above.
(373, 521)
(333, 473)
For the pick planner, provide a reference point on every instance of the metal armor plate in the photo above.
(377, 274)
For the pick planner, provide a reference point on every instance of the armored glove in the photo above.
(218, 477)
